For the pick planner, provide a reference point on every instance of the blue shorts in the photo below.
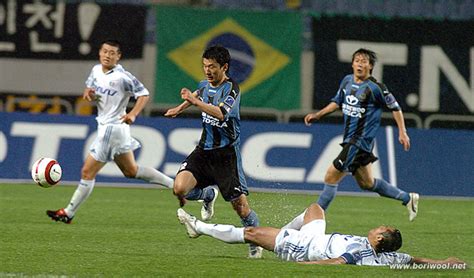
(351, 158)
(219, 166)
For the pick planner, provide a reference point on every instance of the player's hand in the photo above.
(173, 112)
(453, 260)
(404, 140)
(88, 94)
(128, 119)
(309, 118)
(189, 96)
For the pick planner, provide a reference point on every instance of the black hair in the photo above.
(369, 53)
(114, 43)
(392, 241)
(218, 53)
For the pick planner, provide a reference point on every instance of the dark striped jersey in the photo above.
(362, 105)
(218, 134)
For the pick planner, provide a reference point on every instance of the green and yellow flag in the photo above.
(265, 48)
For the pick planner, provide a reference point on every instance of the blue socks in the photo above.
(385, 189)
(206, 194)
(250, 220)
(328, 194)
(382, 187)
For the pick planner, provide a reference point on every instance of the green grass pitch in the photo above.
(133, 232)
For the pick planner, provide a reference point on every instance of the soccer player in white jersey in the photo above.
(304, 240)
(111, 86)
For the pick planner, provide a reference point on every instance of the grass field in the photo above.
(125, 232)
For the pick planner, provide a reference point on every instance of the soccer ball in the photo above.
(46, 172)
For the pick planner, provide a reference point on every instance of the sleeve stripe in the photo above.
(349, 258)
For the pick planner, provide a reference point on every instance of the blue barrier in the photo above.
(275, 156)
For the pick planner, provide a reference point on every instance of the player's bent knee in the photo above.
(86, 174)
(316, 208)
(179, 188)
(331, 179)
(365, 185)
(315, 211)
(130, 174)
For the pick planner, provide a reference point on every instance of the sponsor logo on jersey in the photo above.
(210, 120)
(229, 101)
(390, 99)
(136, 83)
(105, 91)
(362, 96)
(227, 104)
(352, 111)
(352, 100)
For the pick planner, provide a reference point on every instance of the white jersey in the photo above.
(310, 243)
(357, 250)
(113, 90)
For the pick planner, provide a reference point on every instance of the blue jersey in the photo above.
(362, 105)
(218, 134)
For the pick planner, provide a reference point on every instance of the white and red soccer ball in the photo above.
(46, 172)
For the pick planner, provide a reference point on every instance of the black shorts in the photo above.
(222, 167)
(351, 158)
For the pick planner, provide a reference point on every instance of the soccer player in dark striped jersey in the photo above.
(362, 99)
(216, 159)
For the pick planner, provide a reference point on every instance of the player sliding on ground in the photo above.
(304, 240)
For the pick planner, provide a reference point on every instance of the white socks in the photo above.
(152, 175)
(226, 233)
(296, 223)
(83, 191)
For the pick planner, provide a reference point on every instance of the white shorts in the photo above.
(112, 140)
(294, 245)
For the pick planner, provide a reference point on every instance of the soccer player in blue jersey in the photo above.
(216, 159)
(304, 240)
(362, 99)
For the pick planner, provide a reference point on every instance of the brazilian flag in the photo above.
(265, 48)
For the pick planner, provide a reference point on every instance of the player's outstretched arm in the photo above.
(328, 261)
(312, 117)
(449, 262)
(192, 97)
(175, 111)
